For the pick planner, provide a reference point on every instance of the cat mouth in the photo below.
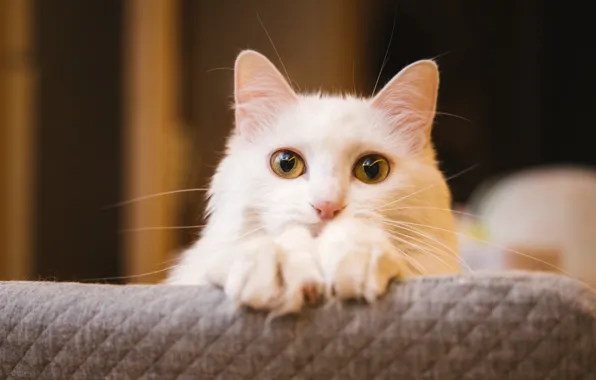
(317, 228)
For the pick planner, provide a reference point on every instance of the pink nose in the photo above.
(328, 210)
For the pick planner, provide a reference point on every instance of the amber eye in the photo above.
(371, 168)
(287, 164)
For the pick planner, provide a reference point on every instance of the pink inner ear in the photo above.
(409, 101)
(405, 107)
(260, 91)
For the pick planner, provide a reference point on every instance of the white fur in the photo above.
(265, 244)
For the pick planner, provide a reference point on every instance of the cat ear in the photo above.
(260, 92)
(410, 101)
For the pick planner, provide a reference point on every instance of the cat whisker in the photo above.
(248, 233)
(441, 55)
(413, 230)
(441, 114)
(427, 188)
(396, 223)
(422, 249)
(385, 58)
(159, 228)
(170, 260)
(379, 217)
(219, 69)
(434, 208)
(276, 52)
(491, 245)
(139, 199)
(413, 262)
(127, 277)
(453, 115)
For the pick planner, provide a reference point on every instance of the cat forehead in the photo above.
(331, 120)
(331, 111)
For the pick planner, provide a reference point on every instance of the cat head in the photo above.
(310, 158)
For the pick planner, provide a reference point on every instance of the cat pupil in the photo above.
(286, 162)
(371, 170)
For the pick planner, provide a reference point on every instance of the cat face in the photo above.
(308, 159)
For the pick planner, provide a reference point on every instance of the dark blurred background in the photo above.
(108, 100)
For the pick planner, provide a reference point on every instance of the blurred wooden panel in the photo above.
(151, 100)
(16, 139)
(78, 138)
(4, 158)
(542, 259)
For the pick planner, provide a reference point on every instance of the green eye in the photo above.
(371, 168)
(287, 164)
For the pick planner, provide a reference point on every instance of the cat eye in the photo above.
(287, 164)
(371, 168)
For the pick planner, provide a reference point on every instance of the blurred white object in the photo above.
(549, 209)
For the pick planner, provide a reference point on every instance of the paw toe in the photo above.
(311, 292)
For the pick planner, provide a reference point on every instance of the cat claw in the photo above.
(312, 292)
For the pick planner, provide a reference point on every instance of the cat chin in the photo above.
(317, 228)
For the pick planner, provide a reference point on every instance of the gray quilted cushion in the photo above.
(515, 326)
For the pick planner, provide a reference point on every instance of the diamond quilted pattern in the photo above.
(513, 326)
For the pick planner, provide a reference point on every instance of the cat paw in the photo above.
(358, 260)
(278, 275)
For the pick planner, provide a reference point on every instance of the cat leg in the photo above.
(275, 274)
(358, 259)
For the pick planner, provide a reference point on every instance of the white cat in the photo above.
(319, 193)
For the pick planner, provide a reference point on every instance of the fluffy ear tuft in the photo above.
(260, 92)
(410, 101)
